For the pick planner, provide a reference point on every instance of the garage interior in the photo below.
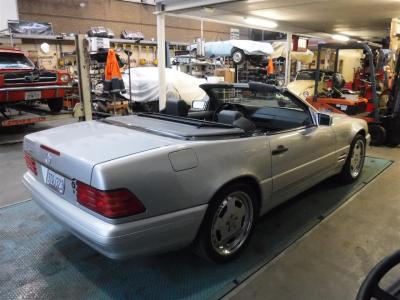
(72, 71)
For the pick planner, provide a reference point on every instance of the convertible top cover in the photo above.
(175, 127)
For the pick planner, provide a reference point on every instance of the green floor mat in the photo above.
(39, 259)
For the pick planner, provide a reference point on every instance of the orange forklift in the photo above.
(383, 123)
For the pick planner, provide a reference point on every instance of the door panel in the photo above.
(300, 158)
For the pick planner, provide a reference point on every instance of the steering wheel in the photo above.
(370, 287)
(227, 106)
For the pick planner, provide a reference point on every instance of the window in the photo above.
(14, 61)
(270, 110)
(248, 97)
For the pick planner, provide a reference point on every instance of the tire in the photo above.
(393, 140)
(238, 56)
(392, 126)
(220, 219)
(378, 134)
(55, 105)
(353, 167)
(100, 107)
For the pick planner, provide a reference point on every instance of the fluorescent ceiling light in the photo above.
(260, 22)
(340, 37)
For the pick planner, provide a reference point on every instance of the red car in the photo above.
(21, 81)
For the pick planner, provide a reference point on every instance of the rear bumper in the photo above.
(17, 94)
(119, 241)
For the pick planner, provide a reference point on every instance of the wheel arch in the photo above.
(247, 179)
(234, 49)
(358, 126)
(363, 132)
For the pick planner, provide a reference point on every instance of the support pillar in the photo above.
(394, 42)
(288, 58)
(161, 59)
(81, 44)
(201, 30)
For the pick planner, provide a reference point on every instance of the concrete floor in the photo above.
(330, 262)
(12, 164)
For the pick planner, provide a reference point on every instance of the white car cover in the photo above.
(145, 85)
(224, 48)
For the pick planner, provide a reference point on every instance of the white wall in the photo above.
(8, 11)
(350, 60)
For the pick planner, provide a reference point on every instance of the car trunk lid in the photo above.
(73, 150)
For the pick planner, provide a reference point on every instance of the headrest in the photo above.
(176, 107)
(245, 124)
(228, 116)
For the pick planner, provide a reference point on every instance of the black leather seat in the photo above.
(235, 118)
(228, 116)
(176, 107)
(245, 124)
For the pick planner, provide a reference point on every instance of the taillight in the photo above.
(111, 204)
(30, 163)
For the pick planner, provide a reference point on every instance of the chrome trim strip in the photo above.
(34, 88)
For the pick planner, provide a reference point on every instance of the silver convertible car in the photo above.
(153, 182)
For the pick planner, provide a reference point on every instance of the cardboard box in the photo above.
(227, 73)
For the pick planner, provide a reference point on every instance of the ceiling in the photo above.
(361, 19)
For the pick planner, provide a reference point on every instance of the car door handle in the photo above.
(280, 149)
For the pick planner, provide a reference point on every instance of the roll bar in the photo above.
(337, 47)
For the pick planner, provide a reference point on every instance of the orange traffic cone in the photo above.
(270, 68)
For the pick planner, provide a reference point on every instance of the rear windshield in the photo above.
(14, 60)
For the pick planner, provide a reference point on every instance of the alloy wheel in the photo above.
(357, 158)
(232, 222)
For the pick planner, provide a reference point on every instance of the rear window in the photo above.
(14, 61)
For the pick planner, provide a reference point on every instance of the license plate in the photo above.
(55, 181)
(33, 95)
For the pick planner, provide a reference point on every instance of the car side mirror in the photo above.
(199, 104)
(324, 119)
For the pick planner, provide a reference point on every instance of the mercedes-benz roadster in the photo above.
(153, 182)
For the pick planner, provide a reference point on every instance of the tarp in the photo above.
(280, 49)
(304, 57)
(224, 48)
(145, 85)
